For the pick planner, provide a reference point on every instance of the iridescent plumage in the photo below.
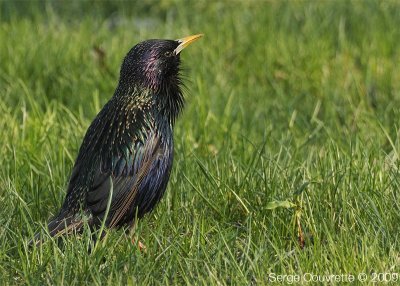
(128, 148)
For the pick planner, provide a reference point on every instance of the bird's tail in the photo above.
(57, 227)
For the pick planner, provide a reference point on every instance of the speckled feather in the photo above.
(129, 146)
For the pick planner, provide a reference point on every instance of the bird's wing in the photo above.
(137, 167)
(134, 168)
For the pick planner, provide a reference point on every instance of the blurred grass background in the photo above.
(294, 101)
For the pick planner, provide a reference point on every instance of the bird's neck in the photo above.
(169, 102)
(164, 103)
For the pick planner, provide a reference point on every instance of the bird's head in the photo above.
(154, 64)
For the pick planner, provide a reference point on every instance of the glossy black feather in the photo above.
(129, 146)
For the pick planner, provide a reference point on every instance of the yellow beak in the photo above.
(186, 41)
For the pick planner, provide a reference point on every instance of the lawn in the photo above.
(286, 156)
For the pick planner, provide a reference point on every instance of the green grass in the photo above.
(287, 101)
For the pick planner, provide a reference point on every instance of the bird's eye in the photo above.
(168, 54)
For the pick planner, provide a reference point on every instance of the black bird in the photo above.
(124, 163)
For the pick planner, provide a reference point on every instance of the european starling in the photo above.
(124, 163)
